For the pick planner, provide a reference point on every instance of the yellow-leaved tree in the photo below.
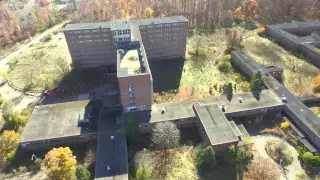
(285, 125)
(9, 141)
(148, 13)
(60, 164)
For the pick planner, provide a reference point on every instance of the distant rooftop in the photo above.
(56, 121)
(124, 23)
(216, 125)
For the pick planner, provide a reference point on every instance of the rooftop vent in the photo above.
(162, 110)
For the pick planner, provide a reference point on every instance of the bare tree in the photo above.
(263, 169)
(166, 135)
(62, 66)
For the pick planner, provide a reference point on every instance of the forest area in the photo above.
(201, 13)
(20, 19)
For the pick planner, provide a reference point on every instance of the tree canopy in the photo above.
(206, 158)
(257, 82)
(166, 135)
(9, 141)
(60, 164)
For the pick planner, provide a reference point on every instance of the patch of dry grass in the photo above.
(298, 73)
(37, 64)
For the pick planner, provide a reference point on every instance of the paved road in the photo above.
(21, 100)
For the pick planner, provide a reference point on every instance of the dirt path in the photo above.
(288, 172)
(21, 100)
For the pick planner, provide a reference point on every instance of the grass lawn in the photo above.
(197, 73)
(298, 73)
(38, 65)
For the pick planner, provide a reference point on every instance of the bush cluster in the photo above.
(225, 66)
(278, 151)
(198, 52)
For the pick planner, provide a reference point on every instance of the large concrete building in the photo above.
(128, 45)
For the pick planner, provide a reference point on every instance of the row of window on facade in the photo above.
(88, 36)
(121, 32)
(123, 39)
(162, 25)
(89, 31)
(90, 41)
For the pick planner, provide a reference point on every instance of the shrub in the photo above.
(316, 84)
(206, 159)
(197, 52)
(46, 38)
(245, 86)
(82, 173)
(22, 169)
(4, 75)
(274, 131)
(227, 57)
(9, 141)
(243, 156)
(235, 37)
(90, 157)
(310, 159)
(227, 89)
(261, 31)
(285, 125)
(277, 151)
(225, 66)
(257, 82)
(262, 169)
(143, 173)
(301, 175)
(38, 163)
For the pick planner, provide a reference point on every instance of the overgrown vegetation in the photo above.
(279, 152)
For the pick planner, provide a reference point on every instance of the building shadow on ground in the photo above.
(166, 74)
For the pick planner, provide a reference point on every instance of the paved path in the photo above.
(290, 170)
(21, 100)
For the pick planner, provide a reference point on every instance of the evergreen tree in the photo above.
(256, 82)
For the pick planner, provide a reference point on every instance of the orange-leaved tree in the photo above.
(60, 164)
(262, 169)
(316, 84)
(9, 141)
(250, 9)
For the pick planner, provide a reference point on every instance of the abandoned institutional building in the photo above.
(126, 47)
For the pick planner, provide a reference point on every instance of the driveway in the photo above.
(289, 171)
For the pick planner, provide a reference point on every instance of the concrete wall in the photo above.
(91, 47)
(49, 143)
(141, 95)
(309, 51)
(165, 41)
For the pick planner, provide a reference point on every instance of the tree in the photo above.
(144, 173)
(235, 38)
(316, 84)
(166, 135)
(132, 130)
(82, 173)
(311, 159)
(148, 13)
(257, 82)
(62, 66)
(237, 14)
(250, 9)
(60, 164)
(262, 169)
(285, 125)
(206, 159)
(228, 89)
(9, 141)
(225, 66)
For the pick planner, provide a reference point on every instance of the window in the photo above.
(120, 32)
(131, 88)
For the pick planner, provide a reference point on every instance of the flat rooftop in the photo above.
(180, 110)
(111, 152)
(123, 23)
(131, 61)
(57, 121)
(216, 125)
